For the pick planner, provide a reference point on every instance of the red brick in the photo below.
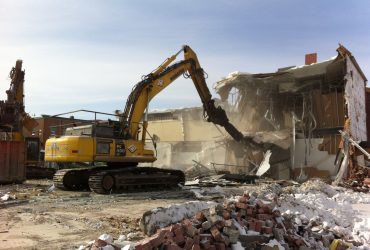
(263, 216)
(259, 225)
(179, 236)
(187, 222)
(188, 243)
(249, 211)
(158, 238)
(195, 247)
(252, 225)
(243, 199)
(267, 230)
(219, 224)
(172, 247)
(241, 205)
(220, 246)
(190, 230)
(212, 247)
(174, 227)
(226, 215)
(252, 207)
(299, 242)
(367, 181)
(267, 209)
(144, 245)
(200, 216)
(216, 234)
(260, 210)
(196, 239)
(100, 243)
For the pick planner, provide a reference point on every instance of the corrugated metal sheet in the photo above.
(12, 168)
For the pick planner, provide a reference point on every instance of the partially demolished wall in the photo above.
(309, 104)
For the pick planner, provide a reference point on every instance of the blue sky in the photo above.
(88, 54)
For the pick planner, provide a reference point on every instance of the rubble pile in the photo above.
(245, 221)
(359, 179)
(326, 212)
(106, 242)
(314, 215)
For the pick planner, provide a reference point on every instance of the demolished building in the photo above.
(296, 112)
(311, 103)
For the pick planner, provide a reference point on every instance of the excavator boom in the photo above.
(162, 77)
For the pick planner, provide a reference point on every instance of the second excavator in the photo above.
(120, 145)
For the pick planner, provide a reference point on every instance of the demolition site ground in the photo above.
(265, 215)
(35, 218)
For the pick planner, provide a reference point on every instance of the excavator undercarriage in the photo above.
(103, 180)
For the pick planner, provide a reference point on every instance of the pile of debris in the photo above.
(314, 215)
(246, 222)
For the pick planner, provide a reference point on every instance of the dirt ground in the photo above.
(39, 219)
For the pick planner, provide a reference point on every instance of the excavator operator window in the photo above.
(103, 147)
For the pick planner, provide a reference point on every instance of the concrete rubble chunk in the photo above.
(107, 238)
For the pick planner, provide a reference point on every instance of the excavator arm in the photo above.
(158, 80)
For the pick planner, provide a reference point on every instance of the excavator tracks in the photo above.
(103, 180)
(135, 179)
(72, 179)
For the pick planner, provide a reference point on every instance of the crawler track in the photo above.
(103, 180)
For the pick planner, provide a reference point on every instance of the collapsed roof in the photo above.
(292, 79)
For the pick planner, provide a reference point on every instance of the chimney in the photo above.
(310, 58)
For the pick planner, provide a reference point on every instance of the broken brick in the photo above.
(267, 230)
(259, 225)
(252, 225)
(220, 246)
(226, 215)
(190, 230)
(219, 224)
(144, 244)
(172, 247)
(241, 205)
(205, 244)
(188, 243)
(216, 234)
(100, 243)
(243, 199)
(263, 216)
(195, 247)
(200, 216)
(196, 239)
(249, 211)
(179, 236)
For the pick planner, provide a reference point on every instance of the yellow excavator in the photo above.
(121, 144)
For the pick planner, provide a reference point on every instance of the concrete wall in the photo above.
(316, 158)
(167, 130)
(355, 99)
